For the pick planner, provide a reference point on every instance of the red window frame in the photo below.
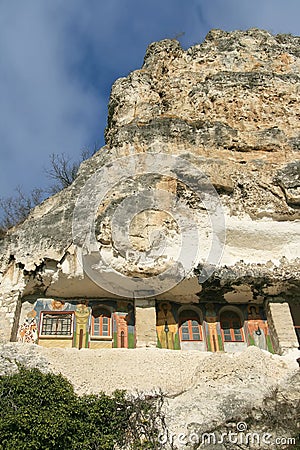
(102, 324)
(231, 319)
(189, 319)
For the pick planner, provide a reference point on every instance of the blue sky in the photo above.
(59, 58)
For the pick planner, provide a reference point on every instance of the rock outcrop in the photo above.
(229, 108)
(220, 118)
(206, 395)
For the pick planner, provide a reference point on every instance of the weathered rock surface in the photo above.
(13, 355)
(253, 388)
(228, 106)
(205, 393)
(232, 99)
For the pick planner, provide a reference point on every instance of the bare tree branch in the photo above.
(63, 170)
(16, 208)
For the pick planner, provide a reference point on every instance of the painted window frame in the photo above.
(189, 319)
(99, 336)
(56, 336)
(232, 328)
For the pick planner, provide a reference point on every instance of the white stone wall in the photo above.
(145, 323)
(281, 327)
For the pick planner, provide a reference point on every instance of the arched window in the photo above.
(122, 339)
(231, 327)
(101, 322)
(189, 326)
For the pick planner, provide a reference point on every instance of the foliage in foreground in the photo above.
(41, 412)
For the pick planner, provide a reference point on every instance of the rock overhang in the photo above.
(228, 107)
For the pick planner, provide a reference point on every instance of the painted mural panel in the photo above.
(167, 326)
(82, 326)
(257, 328)
(79, 323)
(27, 333)
(124, 325)
(224, 327)
(107, 323)
(212, 327)
(56, 324)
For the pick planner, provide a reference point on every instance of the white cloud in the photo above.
(43, 108)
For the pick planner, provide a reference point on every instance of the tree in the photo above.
(16, 208)
(63, 169)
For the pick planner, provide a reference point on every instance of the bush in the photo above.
(41, 412)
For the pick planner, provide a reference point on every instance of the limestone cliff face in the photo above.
(232, 100)
(228, 106)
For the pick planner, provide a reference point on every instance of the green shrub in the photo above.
(41, 412)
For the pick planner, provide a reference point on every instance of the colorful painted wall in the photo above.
(212, 327)
(104, 323)
(79, 323)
